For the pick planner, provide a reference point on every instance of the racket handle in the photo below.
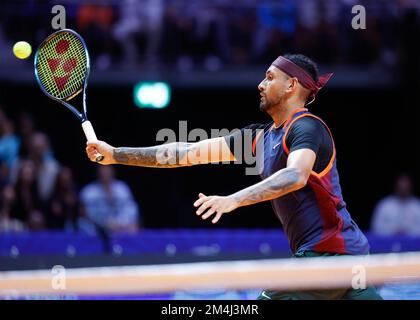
(91, 136)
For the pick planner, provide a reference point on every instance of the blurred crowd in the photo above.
(398, 213)
(37, 192)
(211, 34)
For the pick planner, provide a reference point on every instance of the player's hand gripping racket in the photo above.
(62, 70)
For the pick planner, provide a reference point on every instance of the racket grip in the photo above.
(91, 136)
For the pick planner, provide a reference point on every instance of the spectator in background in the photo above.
(127, 28)
(242, 23)
(8, 207)
(178, 44)
(139, 31)
(275, 28)
(28, 204)
(4, 174)
(109, 203)
(9, 142)
(46, 167)
(398, 214)
(64, 206)
(26, 130)
(94, 21)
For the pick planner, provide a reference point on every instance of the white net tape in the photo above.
(283, 274)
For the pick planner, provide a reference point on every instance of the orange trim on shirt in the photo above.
(287, 131)
(254, 143)
(291, 116)
(286, 149)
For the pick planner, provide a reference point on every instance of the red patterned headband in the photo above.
(304, 78)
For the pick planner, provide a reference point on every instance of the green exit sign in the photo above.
(154, 95)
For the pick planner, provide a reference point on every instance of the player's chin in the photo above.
(263, 106)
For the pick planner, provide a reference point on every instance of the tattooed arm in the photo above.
(282, 182)
(289, 179)
(165, 156)
(171, 155)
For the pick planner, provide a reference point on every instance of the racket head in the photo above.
(62, 65)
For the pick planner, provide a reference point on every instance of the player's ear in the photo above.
(292, 83)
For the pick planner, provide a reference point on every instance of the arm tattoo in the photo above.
(278, 184)
(169, 155)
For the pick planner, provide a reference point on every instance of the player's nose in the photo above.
(261, 86)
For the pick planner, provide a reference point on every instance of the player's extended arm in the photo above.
(289, 179)
(171, 155)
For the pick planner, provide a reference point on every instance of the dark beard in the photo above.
(264, 106)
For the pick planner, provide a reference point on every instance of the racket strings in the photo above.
(62, 65)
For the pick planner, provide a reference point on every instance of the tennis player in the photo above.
(299, 175)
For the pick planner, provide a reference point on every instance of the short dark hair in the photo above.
(305, 63)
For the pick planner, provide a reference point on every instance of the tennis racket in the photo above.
(62, 70)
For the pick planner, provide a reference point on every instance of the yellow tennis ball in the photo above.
(22, 49)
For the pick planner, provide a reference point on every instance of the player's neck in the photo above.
(285, 111)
